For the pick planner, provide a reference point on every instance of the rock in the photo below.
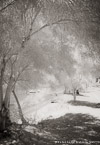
(14, 141)
(50, 117)
(53, 102)
(19, 121)
(92, 133)
(30, 129)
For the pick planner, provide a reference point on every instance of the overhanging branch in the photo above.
(62, 21)
(9, 4)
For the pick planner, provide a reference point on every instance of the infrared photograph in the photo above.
(49, 72)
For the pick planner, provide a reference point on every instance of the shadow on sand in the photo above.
(84, 103)
(80, 127)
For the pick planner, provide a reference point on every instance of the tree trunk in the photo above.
(3, 110)
(19, 108)
(65, 90)
(74, 94)
(3, 118)
(1, 93)
(8, 93)
(3, 65)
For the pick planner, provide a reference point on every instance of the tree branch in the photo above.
(60, 22)
(9, 4)
(19, 74)
(30, 30)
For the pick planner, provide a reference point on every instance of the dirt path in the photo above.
(61, 105)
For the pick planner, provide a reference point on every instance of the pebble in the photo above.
(14, 141)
